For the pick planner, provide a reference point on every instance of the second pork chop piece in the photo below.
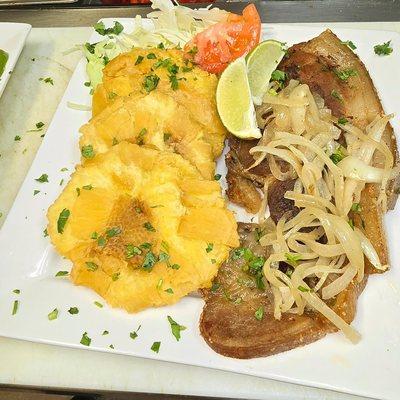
(229, 324)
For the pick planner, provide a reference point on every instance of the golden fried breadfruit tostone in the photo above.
(156, 120)
(138, 71)
(130, 232)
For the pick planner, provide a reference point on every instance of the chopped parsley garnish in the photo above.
(169, 291)
(292, 259)
(86, 340)
(87, 84)
(163, 256)
(15, 307)
(94, 235)
(150, 82)
(45, 233)
(106, 60)
(337, 155)
(336, 95)
(17, 138)
(346, 74)
(62, 273)
(42, 178)
(209, 247)
(279, 76)
(115, 276)
(102, 30)
(175, 266)
(87, 187)
(90, 47)
(16, 291)
(111, 346)
(159, 284)
(351, 223)
(105, 333)
(173, 69)
(151, 56)
(47, 80)
(213, 261)
(140, 136)
(174, 82)
(149, 227)
(87, 151)
(112, 95)
(145, 246)
(349, 44)
(64, 169)
(35, 192)
(217, 177)
(156, 347)
(237, 253)
(167, 136)
(176, 328)
(96, 303)
(53, 315)
(258, 233)
(114, 141)
(62, 220)
(61, 182)
(193, 51)
(149, 261)
(116, 230)
(303, 289)
(101, 241)
(132, 251)
(259, 314)
(91, 266)
(383, 49)
(165, 246)
(187, 69)
(356, 207)
(342, 121)
(78, 191)
(215, 286)
(139, 60)
(160, 46)
(73, 310)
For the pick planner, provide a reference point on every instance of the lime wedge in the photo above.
(261, 62)
(234, 102)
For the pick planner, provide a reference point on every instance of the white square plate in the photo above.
(12, 40)
(28, 262)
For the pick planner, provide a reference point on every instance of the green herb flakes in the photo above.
(174, 82)
(217, 177)
(115, 276)
(132, 251)
(351, 223)
(105, 333)
(73, 310)
(115, 231)
(91, 266)
(174, 266)
(148, 226)
(149, 261)
(383, 49)
(278, 76)
(160, 46)
(111, 346)
(292, 259)
(15, 307)
(336, 95)
(213, 261)
(94, 235)
(47, 80)
(62, 220)
(16, 291)
(45, 233)
(337, 156)
(356, 207)
(96, 303)
(35, 192)
(215, 286)
(163, 256)
(350, 44)
(87, 187)
(169, 291)
(53, 315)
(167, 136)
(134, 334)
(78, 191)
(102, 30)
(259, 314)
(151, 56)
(342, 121)
(86, 340)
(17, 138)
(345, 74)
(176, 328)
(150, 82)
(139, 60)
(42, 178)
(159, 284)
(114, 141)
(62, 273)
(156, 347)
(209, 247)
(87, 151)
(303, 289)
(101, 241)
(140, 136)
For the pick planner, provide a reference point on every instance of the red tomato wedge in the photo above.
(217, 46)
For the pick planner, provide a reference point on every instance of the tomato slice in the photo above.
(217, 46)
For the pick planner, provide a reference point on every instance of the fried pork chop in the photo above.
(228, 322)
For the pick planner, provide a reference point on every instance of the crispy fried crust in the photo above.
(230, 328)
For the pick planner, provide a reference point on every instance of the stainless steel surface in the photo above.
(270, 11)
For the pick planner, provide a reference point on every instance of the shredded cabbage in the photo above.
(171, 26)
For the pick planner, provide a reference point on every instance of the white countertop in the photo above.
(25, 102)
